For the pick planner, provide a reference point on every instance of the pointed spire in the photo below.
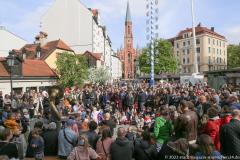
(128, 14)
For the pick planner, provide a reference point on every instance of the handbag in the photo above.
(65, 136)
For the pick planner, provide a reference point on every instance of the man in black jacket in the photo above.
(51, 140)
(122, 148)
(230, 136)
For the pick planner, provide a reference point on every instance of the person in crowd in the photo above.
(226, 115)
(212, 127)
(37, 143)
(67, 140)
(50, 137)
(82, 151)
(39, 126)
(122, 148)
(229, 136)
(207, 149)
(1, 100)
(163, 128)
(7, 147)
(144, 150)
(203, 106)
(109, 122)
(178, 149)
(104, 144)
(92, 134)
(142, 97)
(131, 136)
(186, 125)
(233, 102)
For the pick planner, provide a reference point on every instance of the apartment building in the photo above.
(211, 49)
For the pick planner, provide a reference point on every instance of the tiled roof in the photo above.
(199, 30)
(97, 56)
(31, 68)
(3, 71)
(36, 68)
(46, 49)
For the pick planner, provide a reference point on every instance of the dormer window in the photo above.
(24, 53)
(38, 52)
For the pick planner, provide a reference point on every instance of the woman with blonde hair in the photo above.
(82, 151)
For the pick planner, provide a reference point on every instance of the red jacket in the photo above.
(226, 119)
(212, 129)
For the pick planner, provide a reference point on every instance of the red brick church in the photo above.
(128, 54)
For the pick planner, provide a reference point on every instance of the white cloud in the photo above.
(233, 34)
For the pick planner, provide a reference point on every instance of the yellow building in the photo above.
(211, 49)
(43, 50)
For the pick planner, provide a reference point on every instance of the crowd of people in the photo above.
(123, 122)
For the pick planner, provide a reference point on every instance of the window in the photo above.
(224, 61)
(220, 51)
(217, 42)
(177, 53)
(198, 49)
(220, 43)
(177, 45)
(188, 42)
(198, 59)
(184, 43)
(213, 41)
(183, 51)
(188, 60)
(197, 41)
(183, 60)
(209, 59)
(188, 51)
(223, 44)
(217, 51)
(213, 50)
(217, 59)
(220, 60)
(209, 49)
(209, 41)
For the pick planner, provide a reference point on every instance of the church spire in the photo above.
(128, 14)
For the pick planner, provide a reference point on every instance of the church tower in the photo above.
(128, 53)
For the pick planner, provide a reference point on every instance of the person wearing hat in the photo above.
(50, 137)
(67, 140)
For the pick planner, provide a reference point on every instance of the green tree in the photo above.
(164, 59)
(72, 69)
(233, 56)
(98, 75)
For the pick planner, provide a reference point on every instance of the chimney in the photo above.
(212, 29)
(41, 38)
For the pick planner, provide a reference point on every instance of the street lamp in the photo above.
(10, 62)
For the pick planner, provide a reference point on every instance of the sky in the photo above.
(23, 17)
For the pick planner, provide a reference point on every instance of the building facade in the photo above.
(116, 69)
(30, 75)
(211, 49)
(8, 41)
(128, 54)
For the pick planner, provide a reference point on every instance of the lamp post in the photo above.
(10, 62)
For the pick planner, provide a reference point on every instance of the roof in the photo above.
(128, 14)
(199, 30)
(3, 71)
(30, 68)
(97, 56)
(36, 68)
(46, 49)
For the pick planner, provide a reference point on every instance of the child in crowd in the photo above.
(37, 143)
